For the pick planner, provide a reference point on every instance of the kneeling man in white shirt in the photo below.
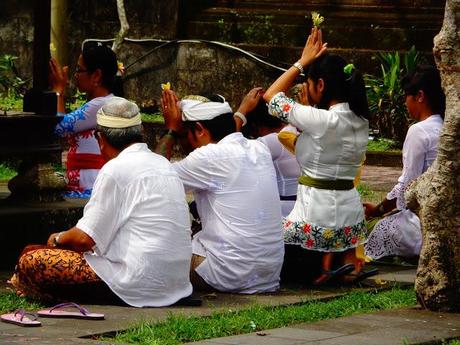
(134, 235)
(240, 247)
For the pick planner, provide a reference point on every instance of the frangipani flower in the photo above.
(317, 18)
(121, 67)
(166, 86)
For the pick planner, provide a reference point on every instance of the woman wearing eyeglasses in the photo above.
(95, 75)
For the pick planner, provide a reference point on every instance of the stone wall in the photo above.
(192, 67)
(275, 30)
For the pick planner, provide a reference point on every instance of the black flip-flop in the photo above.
(363, 275)
(333, 274)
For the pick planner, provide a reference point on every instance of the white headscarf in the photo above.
(198, 108)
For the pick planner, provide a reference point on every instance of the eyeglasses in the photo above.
(78, 69)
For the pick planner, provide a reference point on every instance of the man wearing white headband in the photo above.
(240, 247)
(132, 244)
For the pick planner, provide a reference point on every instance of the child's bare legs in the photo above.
(325, 267)
(352, 256)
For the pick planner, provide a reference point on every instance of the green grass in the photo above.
(382, 145)
(10, 301)
(369, 195)
(6, 172)
(177, 329)
(156, 118)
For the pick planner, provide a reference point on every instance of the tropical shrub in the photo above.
(386, 96)
(11, 84)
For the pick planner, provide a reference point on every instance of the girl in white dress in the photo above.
(265, 128)
(328, 216)
(399, 233)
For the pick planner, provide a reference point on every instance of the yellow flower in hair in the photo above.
(52, 47)
(316, 18)
(121, 67)
(166, 86)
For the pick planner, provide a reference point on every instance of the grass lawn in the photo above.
(382, 145)
(9, 301)
(177, 329)
(369, 195)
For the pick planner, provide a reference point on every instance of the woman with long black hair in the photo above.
(328, 216)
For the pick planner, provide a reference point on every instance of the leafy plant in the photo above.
(11, 84)
(7, 172)
(259, 30)
(386, 96)
(381, 145)
(10, 103)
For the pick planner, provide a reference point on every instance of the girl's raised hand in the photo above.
(314, 47)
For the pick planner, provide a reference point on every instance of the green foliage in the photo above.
(364, 190)
(13, 103)
(10, 302)
(259, 30)
(451, 342)
(156, 117)
(386, 96)
(225, 30)
(180, 328)
(7, 172)
(255, 29)
(76, 101)
(11, 84)
(382, 145)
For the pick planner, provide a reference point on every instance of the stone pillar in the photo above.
(59, 30)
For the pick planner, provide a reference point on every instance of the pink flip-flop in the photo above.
(82, 312)
(21, 318)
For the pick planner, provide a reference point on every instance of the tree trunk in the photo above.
(436, 194)
(124, 26)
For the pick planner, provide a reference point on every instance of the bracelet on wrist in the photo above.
(299, 66)
(242, 117)
(56, 239)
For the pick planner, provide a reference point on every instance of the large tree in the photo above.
(436, 194)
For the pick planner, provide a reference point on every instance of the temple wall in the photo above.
(276, 30)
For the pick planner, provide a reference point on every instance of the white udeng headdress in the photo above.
(198, 108)
(109, 114)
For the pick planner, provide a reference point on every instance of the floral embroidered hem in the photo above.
(315, 237)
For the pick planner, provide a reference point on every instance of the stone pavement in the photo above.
(380, 178)
(387, 327)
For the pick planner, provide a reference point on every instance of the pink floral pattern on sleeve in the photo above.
(281, 106)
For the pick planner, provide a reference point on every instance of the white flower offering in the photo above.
(317, 19)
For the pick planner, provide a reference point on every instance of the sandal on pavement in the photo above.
(82, 312)
(332, 274)
(21, 318)
(357, 278)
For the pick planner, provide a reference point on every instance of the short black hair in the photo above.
(97, 55)
(121, 138)
(427, 79)
(259, 117)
